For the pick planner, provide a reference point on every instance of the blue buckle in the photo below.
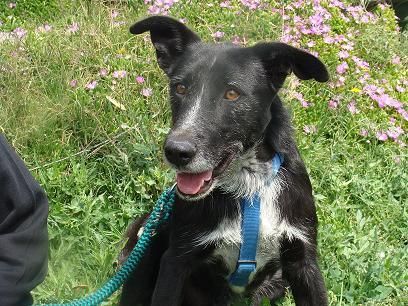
(242, 272)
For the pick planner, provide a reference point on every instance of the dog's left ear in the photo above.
(169, 36)
(280, 60)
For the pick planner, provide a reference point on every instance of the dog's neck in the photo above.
(248, 174)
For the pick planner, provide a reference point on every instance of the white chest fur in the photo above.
(245, 181)
(227, 236)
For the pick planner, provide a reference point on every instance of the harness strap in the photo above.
(250, 212)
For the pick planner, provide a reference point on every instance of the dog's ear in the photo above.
(280, 60)
(170, 38)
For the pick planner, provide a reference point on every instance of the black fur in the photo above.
(176, 270)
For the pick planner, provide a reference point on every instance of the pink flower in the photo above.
(287, 38)
(352, 108)
(305, 30)
(103, 72)
(119, 74)
(295, 82)
(218, 34)
(236, 40)
(304, 104)
(44, 28)
(316, 19)
(147, 92)
(74, 27)
(160, 7)
(328, 39)
(73, 83)
(363, 79)
(311, 44)
(337, 3)
(225, 4)
(396, 60)
(381, 136)
(370, 89)
(360, 63)
(342, 68)
(91, 85)
(365, 18)
(20, 32)
(333, 104)
(298, 21)
(319, 29)
(400, 143)
(310, 129)
(251, 4)
(403, 113)
(343, 54)
(338, 38)
(394, 132)
(385, 100)
(399, 88)
(140, 79)
(114, 14)
(340, 81)
(348, 47)
(118, 23)
(364, 132)
(302, 101)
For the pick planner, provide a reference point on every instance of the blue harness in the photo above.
(250, 210)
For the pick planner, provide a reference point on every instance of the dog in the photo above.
(228, 123)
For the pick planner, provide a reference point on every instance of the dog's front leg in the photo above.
(300, 269)
(174, 269)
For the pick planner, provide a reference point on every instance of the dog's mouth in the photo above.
(196, 185)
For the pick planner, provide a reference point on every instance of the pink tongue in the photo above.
(190, 183)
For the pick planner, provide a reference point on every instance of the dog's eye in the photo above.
(181, 89)
(231, 95)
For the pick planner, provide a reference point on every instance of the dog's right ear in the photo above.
(170, 38)
(280, 60)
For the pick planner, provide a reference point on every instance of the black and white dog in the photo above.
(228, 123)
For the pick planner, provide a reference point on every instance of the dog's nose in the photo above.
(179, 152)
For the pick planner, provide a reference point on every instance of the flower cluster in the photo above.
(160, 7)
(315, 28)
(359, 14)
(252, 4)
(20, 33)
(218, 34)
(331, 27)
(73, 28)
(316, 24)
(116, 75)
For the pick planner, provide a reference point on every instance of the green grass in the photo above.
(101, 166)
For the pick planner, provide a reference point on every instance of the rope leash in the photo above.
(160, 214)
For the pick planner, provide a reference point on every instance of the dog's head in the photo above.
(220, 97)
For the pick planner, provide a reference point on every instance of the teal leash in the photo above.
(160, 214)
